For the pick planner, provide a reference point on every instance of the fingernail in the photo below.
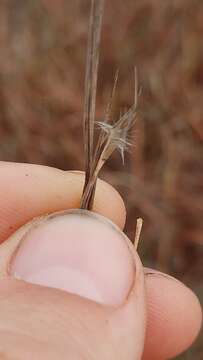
(79, 252)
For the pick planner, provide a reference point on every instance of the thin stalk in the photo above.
(91, 75)
(113, 135)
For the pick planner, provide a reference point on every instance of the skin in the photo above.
(39, 322)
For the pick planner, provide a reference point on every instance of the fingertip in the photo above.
(41, 189)
(67, 250)
(97, 256)
(174, 317)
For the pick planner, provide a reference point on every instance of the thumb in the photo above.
(100, 314)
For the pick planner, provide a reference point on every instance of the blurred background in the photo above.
(42, 68)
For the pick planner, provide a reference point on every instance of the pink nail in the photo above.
(79, 252)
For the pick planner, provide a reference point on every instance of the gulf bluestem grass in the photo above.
(113, 135)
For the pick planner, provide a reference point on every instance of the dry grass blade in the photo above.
(112, 137)
(91, 82)
(107, 119)
(138, 232)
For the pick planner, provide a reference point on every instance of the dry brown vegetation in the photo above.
(42, 67)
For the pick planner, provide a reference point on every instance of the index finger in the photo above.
(28, 191)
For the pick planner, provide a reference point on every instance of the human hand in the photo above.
(132, 308)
